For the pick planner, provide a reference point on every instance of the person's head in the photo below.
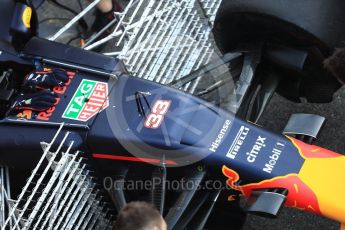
(140, 216)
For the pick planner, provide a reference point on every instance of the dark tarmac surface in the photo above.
(275, 118)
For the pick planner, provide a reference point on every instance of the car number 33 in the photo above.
(158, 111)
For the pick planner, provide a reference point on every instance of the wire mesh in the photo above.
(159, 40)
(59, 194)
(166, 40)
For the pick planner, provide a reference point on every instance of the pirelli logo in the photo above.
(238, 142)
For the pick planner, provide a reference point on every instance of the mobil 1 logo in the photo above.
(89, 99)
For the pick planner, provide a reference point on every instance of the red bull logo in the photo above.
(319, 187)
(300, 196)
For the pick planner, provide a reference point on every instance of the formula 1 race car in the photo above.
(135, 129)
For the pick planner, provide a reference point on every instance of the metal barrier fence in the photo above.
(59, 194)
(159, 40)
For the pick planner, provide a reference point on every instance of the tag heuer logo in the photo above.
(89, 99)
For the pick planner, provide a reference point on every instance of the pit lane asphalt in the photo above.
(275, 118)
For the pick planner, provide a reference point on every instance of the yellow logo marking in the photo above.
(27, 17)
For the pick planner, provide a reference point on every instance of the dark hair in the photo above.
(139, 216)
